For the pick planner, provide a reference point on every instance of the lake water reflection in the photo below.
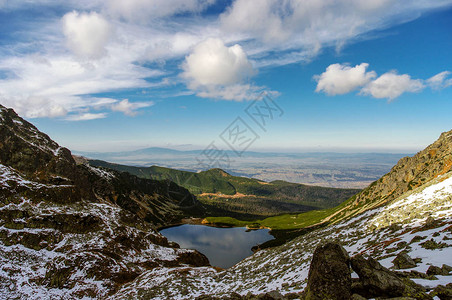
(223, 246)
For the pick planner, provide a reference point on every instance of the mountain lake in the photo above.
(224, 247)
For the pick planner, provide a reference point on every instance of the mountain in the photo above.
(397, 232)
(241, 196)
(69, 230)
(409, 173)
(327, 169)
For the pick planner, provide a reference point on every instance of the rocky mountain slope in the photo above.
(408, 230)
(71, 230)
(406, 175)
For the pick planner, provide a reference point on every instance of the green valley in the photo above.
(243, 198)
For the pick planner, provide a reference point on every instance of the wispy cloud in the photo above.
(130, 108)
(54, 67)
(440, 80)
(86, 117)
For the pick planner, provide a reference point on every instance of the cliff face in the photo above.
(32, 153)
(69, 230)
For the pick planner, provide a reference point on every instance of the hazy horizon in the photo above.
(360, 76)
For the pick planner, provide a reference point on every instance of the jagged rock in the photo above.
(193, 258)
(403, 261)
(415, 274)
(434, 270)
(273, 295)
(87, 230)
(443, 292)
(432, 244)
(446, 269)
(377, 281)
(329, 273)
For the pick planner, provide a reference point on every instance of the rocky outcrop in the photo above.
(329, 278)
(403, 261)
(406, 175)
(329, 274)
(30, 154)
(69, 230)
(443, 292)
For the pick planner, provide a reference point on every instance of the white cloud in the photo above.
(214, 70)
(49, 82)
(86, 117)
(342, 79)
(213, 63)
(440, 81)
(129, 108)
(144, 10)
(391, 85)
(86, 34)
(304, 24)
(51, 86)
(236, 92)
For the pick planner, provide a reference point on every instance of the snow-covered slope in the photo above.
(285, 268)
(71, 231)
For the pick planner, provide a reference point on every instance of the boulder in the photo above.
(443, 292)
(446, 269)
(434, 270)
(329, 274)
(377, 281)
(403, 261)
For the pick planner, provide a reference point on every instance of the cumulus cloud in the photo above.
(440, 81)
(342, 79)
(86, 33)
(213, 63)
(214, 70)
(129, 108)
(49, 82)
(391, 85)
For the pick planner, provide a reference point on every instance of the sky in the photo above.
(267, 75)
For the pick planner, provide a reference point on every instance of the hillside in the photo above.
(71, 230)
(405, 237)
(240, 195)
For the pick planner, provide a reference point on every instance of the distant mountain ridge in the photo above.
(236, 194)
(328, 169)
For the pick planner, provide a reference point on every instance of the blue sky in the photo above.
(119, 75)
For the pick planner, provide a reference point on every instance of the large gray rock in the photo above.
(403, 261)
(329, 274)
(377, 281)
